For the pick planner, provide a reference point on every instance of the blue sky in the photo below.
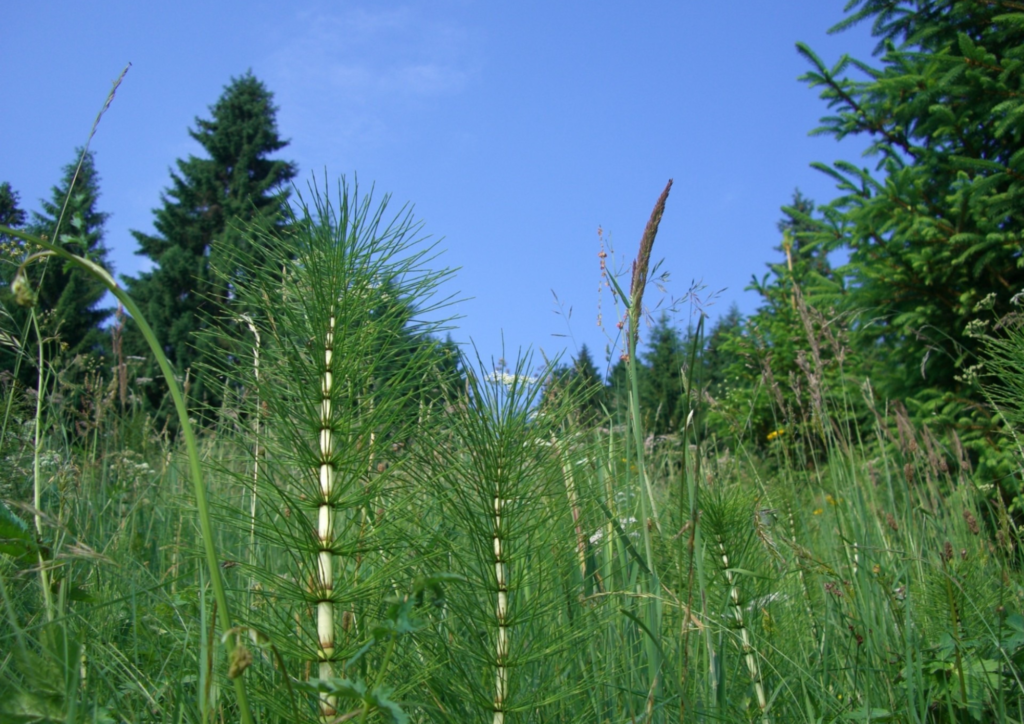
(516, 129)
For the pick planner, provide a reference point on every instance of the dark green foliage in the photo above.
(716, 359)
(69, 294)
(806, 260)
(448, 380)
(661, 381)
(11, 254)
(769, 375)
(617, 392)
(11, 214)
(199, 225)
(69, 319)
(933, 235)
(936, 228)
(582, 383)
(586, 381)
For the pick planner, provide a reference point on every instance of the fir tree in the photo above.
(616, 391)
(11, 214)
(11, 255)
(67, 298)
(716, 357)
(198, 229)
(661, 390)
(935, 231)
(581, 382)
(587, 380)
(68, 294)
(937, 227)
(806, 258)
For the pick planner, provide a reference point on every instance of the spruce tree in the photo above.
(716, 357)
(935, 230)
(661, 385)
(806, 258)
(67, 297)
(11, 213)
(616, 391)
(585, 381)
(198, 231)
(11, 255)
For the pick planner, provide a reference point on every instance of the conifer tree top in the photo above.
(236, 179)
(200, 230)
(243, 131)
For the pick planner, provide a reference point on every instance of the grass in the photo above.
(377, 551)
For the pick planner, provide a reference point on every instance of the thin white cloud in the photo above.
(349, 71)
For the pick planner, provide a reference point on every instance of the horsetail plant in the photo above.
(253, 494)
(325, 522)
(728, 520)
(337, 303)
(499, 488)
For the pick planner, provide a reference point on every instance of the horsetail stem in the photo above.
(749, 658)
(325, 530)
(256, 452)
(574, 505)
(803, 581)
(501, 576)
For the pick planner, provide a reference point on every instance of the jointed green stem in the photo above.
(749, 656)
(501, 612)
(325, 530)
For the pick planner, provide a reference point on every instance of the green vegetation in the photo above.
(198, 227)
(808, 515)
(67, 297)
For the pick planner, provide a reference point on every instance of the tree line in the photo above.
(884, 302)
(929, 234)
(200, 230)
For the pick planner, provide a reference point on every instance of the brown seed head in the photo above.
(643, 261)
(972, 522)
(947, 552)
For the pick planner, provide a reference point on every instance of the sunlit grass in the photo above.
(478, 554)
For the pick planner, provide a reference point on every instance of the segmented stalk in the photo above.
(325, 531)
(256, 456)
(749, 657)
(808, 609)
(501, 576)
(570, 490)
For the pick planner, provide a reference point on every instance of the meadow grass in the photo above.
(373, 549)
